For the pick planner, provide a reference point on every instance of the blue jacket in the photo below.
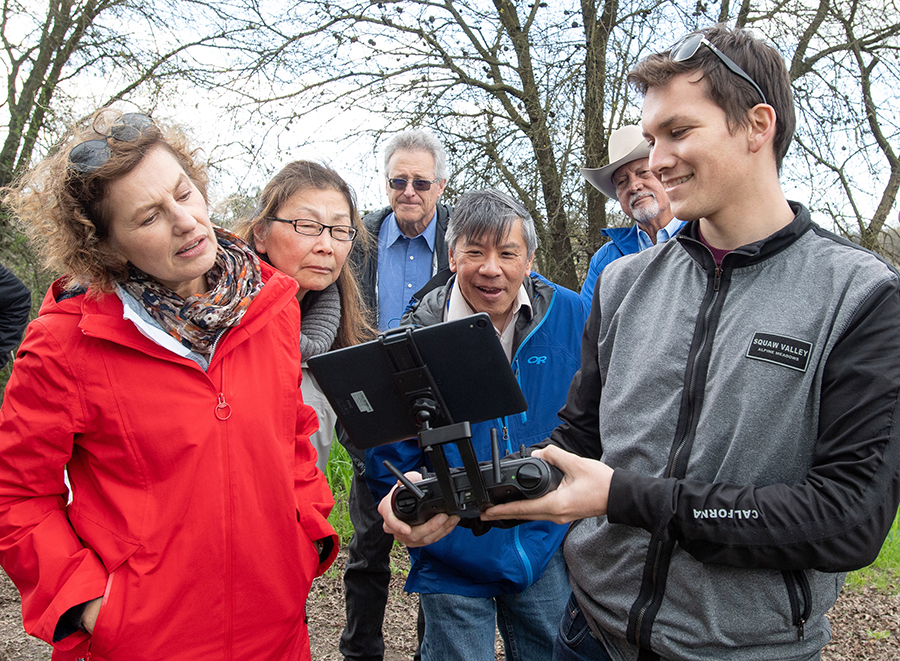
(546, 355)
(623, 241)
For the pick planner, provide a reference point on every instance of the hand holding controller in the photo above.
(505, 480)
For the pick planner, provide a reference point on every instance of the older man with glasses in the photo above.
(409, 243)
(409, 232)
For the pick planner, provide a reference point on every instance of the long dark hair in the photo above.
(355, 324)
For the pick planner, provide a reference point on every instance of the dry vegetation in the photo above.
(865, 622)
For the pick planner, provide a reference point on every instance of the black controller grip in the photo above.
(520, 478)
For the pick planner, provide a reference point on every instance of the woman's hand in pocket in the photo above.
(91, 611)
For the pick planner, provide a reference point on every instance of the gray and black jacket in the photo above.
(749, 413)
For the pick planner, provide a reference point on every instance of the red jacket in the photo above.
(197, 532)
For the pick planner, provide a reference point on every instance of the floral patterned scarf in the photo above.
(196, 321)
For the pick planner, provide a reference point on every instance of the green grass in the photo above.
(339, 473)
(884, 573)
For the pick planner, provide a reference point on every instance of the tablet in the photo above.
(374, 387)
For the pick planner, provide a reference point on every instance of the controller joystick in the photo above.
(529, 477)
(505, 480)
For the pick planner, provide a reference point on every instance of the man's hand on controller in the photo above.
(583, 492)
(429, 532)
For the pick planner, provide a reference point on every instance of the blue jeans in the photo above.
(574, 640)
(461, 628)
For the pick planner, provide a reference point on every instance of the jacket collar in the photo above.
(429, 309)
(624, 238)
(102, 315)
(752, 253)
(364, 254)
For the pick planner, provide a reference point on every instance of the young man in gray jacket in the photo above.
(725, 470)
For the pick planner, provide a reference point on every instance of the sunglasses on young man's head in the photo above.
(417, 184)
(89, 155)
(687, 47)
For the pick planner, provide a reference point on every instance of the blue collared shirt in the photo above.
(404, 266)
(664, 234)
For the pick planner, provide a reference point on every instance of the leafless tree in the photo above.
(523, 94)
(526, 94)
(845, 64)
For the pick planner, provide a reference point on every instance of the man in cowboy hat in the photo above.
(643, 199)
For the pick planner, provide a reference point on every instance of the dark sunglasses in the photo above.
(314, 228)
(417, 184)
(687, 48)
(89, 155)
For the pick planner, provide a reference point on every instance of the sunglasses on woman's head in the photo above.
(89, 155)
(687, 47)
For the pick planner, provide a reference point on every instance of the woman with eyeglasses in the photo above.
(163, 376)
(305, 225)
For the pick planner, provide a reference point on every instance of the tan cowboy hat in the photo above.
(626, 144)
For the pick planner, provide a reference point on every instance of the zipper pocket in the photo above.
(800, 597)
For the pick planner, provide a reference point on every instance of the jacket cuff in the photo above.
(640, 501)
(328, 553)
(70, 622)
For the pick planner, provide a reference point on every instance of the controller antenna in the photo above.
(405, 481)
(495, 456)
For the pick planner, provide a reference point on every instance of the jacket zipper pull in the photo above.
(800, 629)
(718, 278)
(223, 408)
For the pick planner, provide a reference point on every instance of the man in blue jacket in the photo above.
(628, 178)
(515, 576)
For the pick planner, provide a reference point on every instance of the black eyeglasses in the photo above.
(89, 155)
(417, 184)
(313, 228)
(687, 47)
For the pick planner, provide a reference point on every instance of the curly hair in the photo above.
(61, 207)
(355, 324)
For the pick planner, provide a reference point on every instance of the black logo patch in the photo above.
(780, 350)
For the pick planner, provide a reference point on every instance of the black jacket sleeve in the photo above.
(579, 432)
(836, 519)
(15, 307)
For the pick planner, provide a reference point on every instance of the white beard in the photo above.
(645, 212)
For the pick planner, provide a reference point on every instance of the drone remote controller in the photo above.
(505, 480)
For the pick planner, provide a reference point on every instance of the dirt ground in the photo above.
(865, 623)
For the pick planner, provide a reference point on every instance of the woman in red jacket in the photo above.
(163, 375)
